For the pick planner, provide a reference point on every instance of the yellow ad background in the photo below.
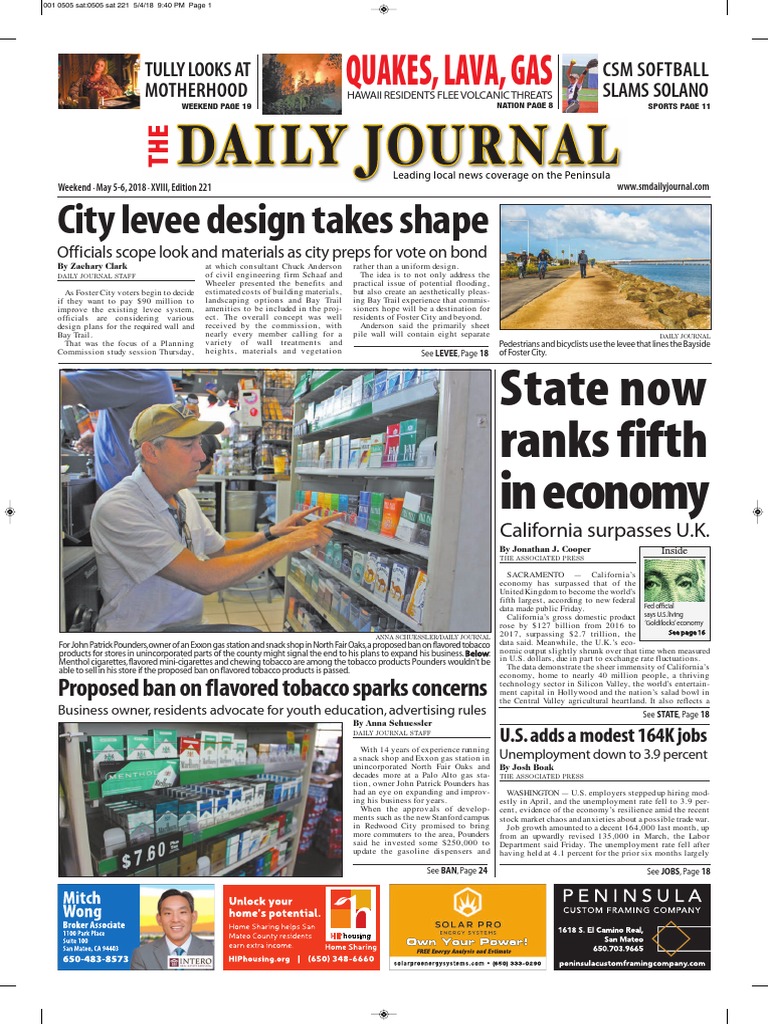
(521, 909)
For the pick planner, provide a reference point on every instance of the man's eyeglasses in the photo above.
(180, 515)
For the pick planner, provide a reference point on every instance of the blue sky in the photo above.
(609, 231)
(580, 58)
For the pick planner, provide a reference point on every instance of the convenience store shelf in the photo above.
(368, 595)
(96, 790)
(231, 824)
(420, 550)
(324, 384)
(288, 837)
(82, 831)
(333, 620)
(239, 771)
(108, 865)
(378, 408)
(403, 473)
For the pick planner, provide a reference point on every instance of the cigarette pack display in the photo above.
(139, 748)
(337, 555)
(415, 605)
(166, 816)
(424, 521)
(355, 449)
(233, 849)
(376, 512)
(391, 516)
(363, 510)
(358, 565)
(391, 445)
(188, 821)
(205, 812)
(188, 863)
(346, 559)
(209, 749)
(164, 742)
(272, 834)
(226, 751)
(406, 526)
(259, 795)
(235, 794)
(137, 776)
(368, 385)
(380, 384)
(106, 749)
(218, 854)
(412, 433)
(138, 822)
(383, 570)
(189, 752)
(394, 381)
(376, 451)
(369, 573)
(323, 593)
(398, 584)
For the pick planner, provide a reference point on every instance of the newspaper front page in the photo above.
(401, 630)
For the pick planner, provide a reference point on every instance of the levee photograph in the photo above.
(615, 267)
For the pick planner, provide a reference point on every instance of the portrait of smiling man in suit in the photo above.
(177, 916)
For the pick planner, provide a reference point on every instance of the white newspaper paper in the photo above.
(511, 266)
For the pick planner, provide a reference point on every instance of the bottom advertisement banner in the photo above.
(458, 926)
(301, 927)
(632, 927)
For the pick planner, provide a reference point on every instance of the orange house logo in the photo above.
(351, 913)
